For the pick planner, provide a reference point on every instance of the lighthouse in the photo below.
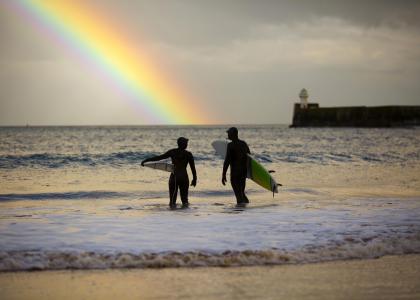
(303, 95)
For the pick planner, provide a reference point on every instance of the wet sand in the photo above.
(390, 277)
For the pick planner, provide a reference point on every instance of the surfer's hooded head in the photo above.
(232, 133)
(182, 143)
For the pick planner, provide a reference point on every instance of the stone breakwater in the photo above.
(355, 116)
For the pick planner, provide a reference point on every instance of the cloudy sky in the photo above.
(244, 61)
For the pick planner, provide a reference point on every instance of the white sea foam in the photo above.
(56, 260)
(117, 234)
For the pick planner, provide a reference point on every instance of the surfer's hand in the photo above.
(194, 182)
(224, 180)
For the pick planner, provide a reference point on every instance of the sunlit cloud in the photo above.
(326, 42)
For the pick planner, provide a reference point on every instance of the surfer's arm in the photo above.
(157, 158)
(226, 164)
(193, 171)
(247, 149)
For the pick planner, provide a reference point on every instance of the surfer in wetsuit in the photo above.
(236, 158)
(179, 177)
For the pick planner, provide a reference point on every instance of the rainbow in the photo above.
(113, 54)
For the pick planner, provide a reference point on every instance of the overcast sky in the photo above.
(248, 60)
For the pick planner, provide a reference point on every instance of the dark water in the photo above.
(64, 147)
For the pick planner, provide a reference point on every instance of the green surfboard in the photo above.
(255, 171)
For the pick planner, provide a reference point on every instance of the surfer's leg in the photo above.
(243, 185)
(173, 189)
(183, 190)
(236, 186)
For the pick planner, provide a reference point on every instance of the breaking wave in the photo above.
(349, 249)
(53, 161)
(124, 159)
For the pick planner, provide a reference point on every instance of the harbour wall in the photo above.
(355, 116)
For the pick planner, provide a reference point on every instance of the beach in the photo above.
(389, 277)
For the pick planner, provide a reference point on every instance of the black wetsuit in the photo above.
(236, 157)
(179, 178)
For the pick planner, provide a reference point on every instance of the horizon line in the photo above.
(146, 125)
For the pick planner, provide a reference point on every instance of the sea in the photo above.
(78, 198)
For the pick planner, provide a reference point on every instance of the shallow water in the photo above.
(77, 197)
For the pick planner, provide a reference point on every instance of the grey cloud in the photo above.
(325, 42)
(215, 22)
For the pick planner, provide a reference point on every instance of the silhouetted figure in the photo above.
(236, 158)
(179, 177)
